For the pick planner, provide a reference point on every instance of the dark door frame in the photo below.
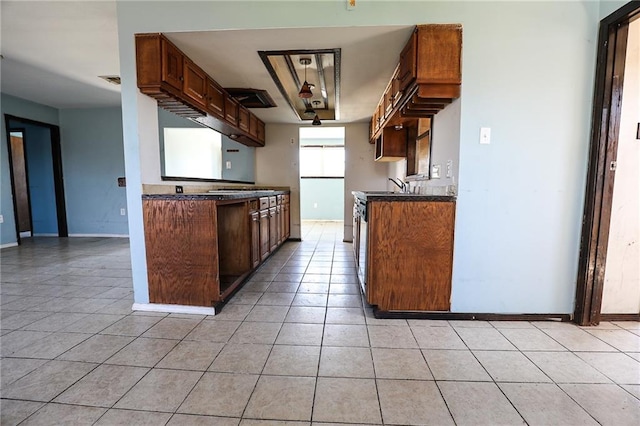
(605, 123)
(58, 179)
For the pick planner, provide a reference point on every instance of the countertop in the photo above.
(217, 195)
(399, 196)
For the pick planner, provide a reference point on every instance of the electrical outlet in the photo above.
(179, 189)
(449, 168)
(435, 171)
(123, 212)
(1, 218)
(228, 164)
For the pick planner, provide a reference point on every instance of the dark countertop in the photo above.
(398, 196)
(217, 195)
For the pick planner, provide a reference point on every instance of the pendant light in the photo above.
(316, 119)
(309, 111)
(305, 90)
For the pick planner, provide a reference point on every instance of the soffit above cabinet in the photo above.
(368, 58)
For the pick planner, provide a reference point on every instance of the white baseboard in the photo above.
(100, 235)
(4, 246)
(173, 309)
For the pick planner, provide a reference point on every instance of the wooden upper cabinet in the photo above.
(172, 65)
(195, 83)
(243, 118)
(215, 99)
(428, 77)
(231, 110)
(407, 72)
(433, 56)
(179, 85)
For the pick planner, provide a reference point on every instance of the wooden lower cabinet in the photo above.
(409, 255)
(182, 252)
(200, 250)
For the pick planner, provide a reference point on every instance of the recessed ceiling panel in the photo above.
(320, 68)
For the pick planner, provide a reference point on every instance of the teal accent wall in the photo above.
(24, 109)
(92, 160)
(321, 199)
(242, 161)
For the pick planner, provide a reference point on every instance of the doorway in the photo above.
(598, 217)
(35, 160)
(322, 159)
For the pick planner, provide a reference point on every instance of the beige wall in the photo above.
(622, 275)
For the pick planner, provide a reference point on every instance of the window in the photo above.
(322, 161)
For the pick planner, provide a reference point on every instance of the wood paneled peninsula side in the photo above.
(202, 247)
(403, 245)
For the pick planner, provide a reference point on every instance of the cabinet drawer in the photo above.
(285, 198)
(264, 203)
(273, 201)
(253, 205)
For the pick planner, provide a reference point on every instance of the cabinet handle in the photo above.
(181, 78)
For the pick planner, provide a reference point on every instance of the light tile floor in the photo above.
(294, 347)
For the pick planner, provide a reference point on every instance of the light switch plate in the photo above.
(485, 135)
(435, 171)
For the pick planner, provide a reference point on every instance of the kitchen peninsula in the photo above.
(403, 244)
(201, 247)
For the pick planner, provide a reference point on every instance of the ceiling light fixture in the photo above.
(305, 90)
(309, 111)
(316, 119)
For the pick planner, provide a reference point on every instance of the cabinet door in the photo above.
(264, 234)
(261, 132)
(195, 83)
(215, 99)
(231, 110)
(273, 229)
(253, 126)
(172, 63)
(243, 118)
(408, 63)
(255, 239)
(280, 228)
(287, 218)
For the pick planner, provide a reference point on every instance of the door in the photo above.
(605, 131)
(20, 183)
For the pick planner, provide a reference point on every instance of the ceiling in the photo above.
(54, 53)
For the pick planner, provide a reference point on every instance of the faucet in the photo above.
(400, 184)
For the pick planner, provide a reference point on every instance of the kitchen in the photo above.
(425, 81)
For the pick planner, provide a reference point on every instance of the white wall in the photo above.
(621, 294)
(528, 72)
